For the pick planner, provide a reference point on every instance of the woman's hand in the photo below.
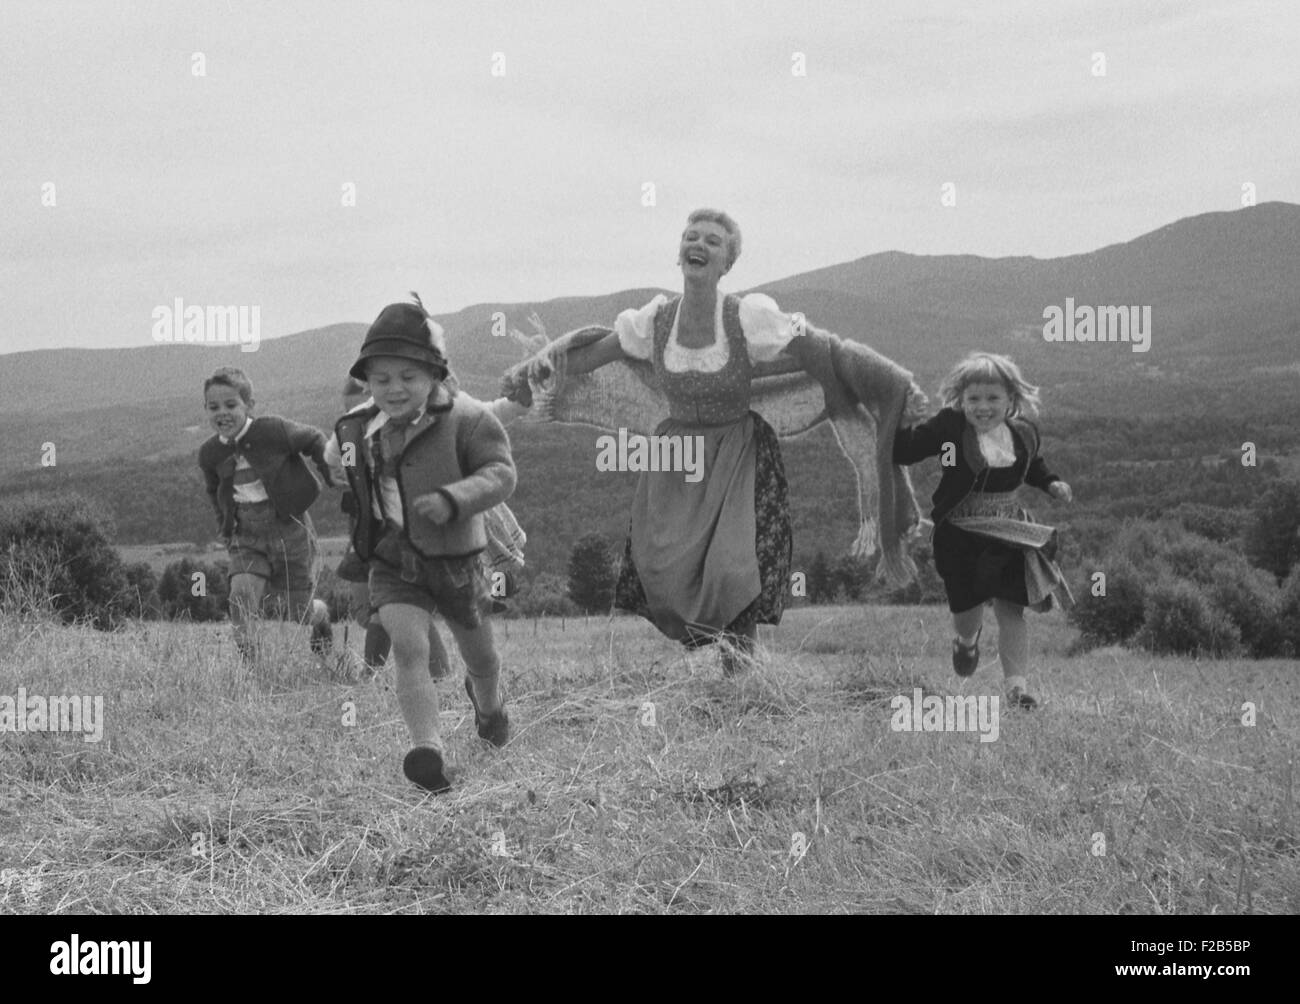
(514, 385)
(1060, 490)
(434, 507)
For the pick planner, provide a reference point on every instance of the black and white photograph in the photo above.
(737, 457)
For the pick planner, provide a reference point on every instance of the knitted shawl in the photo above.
(819, 378)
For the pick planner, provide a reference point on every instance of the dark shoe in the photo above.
(1018, 698)
(495, 728)
(322, 638)
(966, 658)
(423, 766)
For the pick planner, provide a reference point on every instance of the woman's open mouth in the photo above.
(696, 258)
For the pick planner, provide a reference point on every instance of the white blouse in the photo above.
(768, 330)
(997, 446)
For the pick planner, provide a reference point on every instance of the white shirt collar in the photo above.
(381, 419)
(238, 435)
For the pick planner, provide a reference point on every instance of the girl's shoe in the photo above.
(423, 766)
(1018, 697)
(495, 728)
(966, 658)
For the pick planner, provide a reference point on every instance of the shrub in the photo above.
(1141, 542)
(1253, 602)
(1208, 521)
(821, 588)
(1115, 617)
(1272, 537)
(926, 588)
(591, 574)
(141, 600)
(191, 589)
(849, 577)
(1180, 620)
(61, 548)
(1288, 616)
(546, 596)
(1200, 560)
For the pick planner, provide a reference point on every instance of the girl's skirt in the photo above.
(991, 548)
(711, 556)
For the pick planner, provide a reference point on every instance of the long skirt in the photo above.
(711, 557)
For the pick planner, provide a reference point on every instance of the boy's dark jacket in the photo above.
(274, 448)
(463, 456)
(918, 442)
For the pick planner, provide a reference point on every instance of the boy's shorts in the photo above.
(457, 588)
(280, 551)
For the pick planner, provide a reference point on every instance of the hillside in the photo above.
(1222, 370)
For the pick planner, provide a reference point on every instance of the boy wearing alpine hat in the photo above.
(425, 463)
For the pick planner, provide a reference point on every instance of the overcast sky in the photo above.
(527, 183)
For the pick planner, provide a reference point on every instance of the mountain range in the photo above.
(1222, 289)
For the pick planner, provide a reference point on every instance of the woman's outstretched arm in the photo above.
(518, 381)
(593, 356)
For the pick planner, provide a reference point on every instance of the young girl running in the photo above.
(987, 546)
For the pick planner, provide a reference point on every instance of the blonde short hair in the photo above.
(727, 223)
(989, 367)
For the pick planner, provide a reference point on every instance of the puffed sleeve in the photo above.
(768, 329)
(636, 328)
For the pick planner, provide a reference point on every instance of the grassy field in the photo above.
(1137, 789)
(159, 556)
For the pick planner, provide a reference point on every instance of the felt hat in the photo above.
(405, 331)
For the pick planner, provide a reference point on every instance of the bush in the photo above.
(591, 574)
(926, 588)
(58, 550)
(1118, 615)
(191, 589)
(1272, 537)
(1200, 560)
(1253, 602)
(141, 600)
(850, 577)
(821, 588)
(1288, 616)
(1211, 522)
(1180, 620)
(546, 596)
(1141, 542)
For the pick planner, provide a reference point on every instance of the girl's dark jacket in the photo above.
(969, 471)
